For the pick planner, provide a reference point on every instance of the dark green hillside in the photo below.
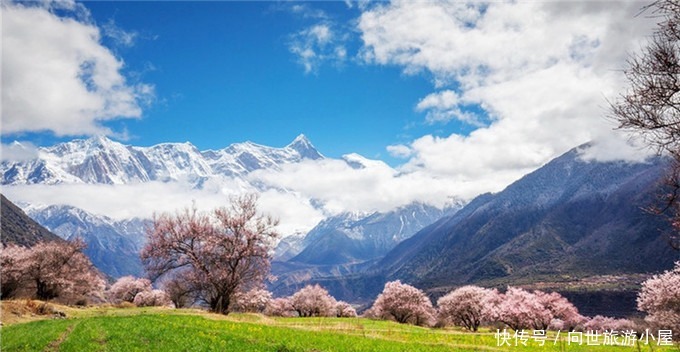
(19, 229)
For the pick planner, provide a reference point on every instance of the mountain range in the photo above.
(570, 217)
(348, 243)
(569, 222)
(566, 226)
(113, 245)
(103, 161)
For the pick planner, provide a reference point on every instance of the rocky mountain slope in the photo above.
(569, 221)
(570, 217)
(113, 246)
(19, 228)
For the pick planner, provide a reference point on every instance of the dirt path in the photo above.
(54, 345)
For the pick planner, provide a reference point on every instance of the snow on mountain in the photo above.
(289, 246)
(352, 237)
(101, 160)
(113, 246)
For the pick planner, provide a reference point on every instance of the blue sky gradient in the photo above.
(223, 73)
(457, 98)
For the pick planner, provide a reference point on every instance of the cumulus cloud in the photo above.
(445, 106)
(541, 71)
(58, 77)
(360, 184)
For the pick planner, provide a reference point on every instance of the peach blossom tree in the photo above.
(221, 252)
(404, 304)
(314, 301)
(464, 306)
(13, 260)
(127, 287)
(60, 269)
(660, 299)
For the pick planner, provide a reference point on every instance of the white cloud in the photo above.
(540, 70)
(58, 77)
(318, 44)
(144, 199)
(445, 106)
(18, 151)
(399, 151)
(119, 35)
(359, 184)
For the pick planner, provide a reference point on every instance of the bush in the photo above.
(601, 323)
(253, 301)
(279, 307)
(464, 307)
(313, 301)
(154, 298)
(345, 310)
(660, 298)
(127, 288)
(404, 304)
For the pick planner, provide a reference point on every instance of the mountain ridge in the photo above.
(18, 228)
(101, 160)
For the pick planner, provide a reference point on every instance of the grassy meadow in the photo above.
(158, 329)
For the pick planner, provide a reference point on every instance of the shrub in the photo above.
(127, 288)
(518, 309)
(253, 301)
(601, 323)
(345, 310)
(279, 307)
(313, 301)
(404, 304)
(660, 298)
(154, 298)
(463, 307)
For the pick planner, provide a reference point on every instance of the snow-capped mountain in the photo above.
(101, 160)
(354, 237)
(113, 246)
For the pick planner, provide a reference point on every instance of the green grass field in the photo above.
(154, 329)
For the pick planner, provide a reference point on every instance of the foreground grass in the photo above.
(153, 329)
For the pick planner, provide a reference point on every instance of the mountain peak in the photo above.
(302, 145)
(99, 139)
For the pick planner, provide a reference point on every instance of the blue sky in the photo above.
(223, 72)
(453, 98)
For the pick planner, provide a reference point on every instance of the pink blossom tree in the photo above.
(13, 260)
(601, 323)
(519, 309)
(223, 252)
(464, 306)
(127, 287)
(279, 307)
(252, 301)
(660, 299)
(313, 301)
(60, 269)
(152, 298)
(179, 289)
(404, 304)
(562, 310)
(345, 310)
